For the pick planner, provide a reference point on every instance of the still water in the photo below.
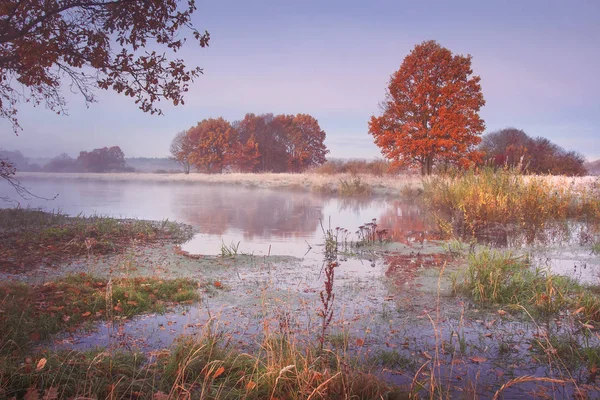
(262, 221)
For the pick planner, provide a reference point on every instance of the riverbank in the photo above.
(343, 184)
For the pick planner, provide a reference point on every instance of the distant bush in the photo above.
(514, 148)
(62, 163)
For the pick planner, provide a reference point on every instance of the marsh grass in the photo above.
(500, 277)
(34, 312)
(28, 236)
(354, 186)
(203, 367)
(470, 202)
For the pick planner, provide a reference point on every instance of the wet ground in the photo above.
(393, 309)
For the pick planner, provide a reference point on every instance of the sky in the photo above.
(537, 59)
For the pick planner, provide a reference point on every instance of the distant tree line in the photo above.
(514, 148)
(106, 159)
(257, 143)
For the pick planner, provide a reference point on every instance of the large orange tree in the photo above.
(431, 111)
(212, 145)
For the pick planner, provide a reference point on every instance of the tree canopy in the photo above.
(89, 44)
(431, 111)
(263, 143)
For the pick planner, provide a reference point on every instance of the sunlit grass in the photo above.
(470, 201)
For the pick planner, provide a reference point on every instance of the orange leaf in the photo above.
(86, 314)
(360, 342)
(478, 359)
(580, 309)
(250, 385)
(218, 284)
(41, 364)
(218, 372)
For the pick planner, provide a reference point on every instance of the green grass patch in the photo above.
(30, 236)
(34, 312)
(500, 277)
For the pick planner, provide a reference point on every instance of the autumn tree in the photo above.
(431, 111)
(245, 157)
(46, 45)
(181, 149)
(514, 148)
(269, 135)
(304, 141)
(212, 145)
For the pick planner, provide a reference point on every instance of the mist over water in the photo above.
(263, 221)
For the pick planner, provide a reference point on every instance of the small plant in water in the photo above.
(231, 250)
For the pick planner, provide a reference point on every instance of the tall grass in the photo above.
(500, 277)
(470, 201)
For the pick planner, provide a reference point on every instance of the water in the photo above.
(262, 221)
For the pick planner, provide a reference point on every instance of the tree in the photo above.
(303, 142)
(62, 163)
(246, 156)
(181, 149)
(269, 137)
(102, 160)
(430, 113)
(90, 44)
(514, 148)
(212, 145)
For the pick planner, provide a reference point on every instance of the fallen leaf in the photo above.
(218, 284)
(35, 336)
(478, 359)
(31, 394)
(41, 364)
(580, 309)
(360, 342)
(118, 308)
(218, 372)
(250, 385)
(86, 314)
(502, 312)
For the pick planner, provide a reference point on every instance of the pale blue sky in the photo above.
(538, 62)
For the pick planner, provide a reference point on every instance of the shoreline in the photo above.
(327, 184)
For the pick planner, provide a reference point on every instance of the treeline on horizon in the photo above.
(507, 147)
(105, 159)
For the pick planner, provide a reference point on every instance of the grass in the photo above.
(231, 250)
(354, 186)
(28, 236)
(496, 277)
(470, 202)
(596, 248)
(203, 367)
(34, 312)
